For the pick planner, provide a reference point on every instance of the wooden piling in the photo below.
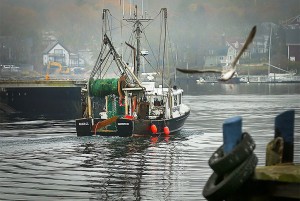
(284, 127)
(232, 133)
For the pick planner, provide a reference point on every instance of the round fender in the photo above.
(222, 164)
(219, 187)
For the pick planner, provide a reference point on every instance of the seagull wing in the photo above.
(248, 41)
(225, 75)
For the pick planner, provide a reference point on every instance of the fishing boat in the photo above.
(131, 103)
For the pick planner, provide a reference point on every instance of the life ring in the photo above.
(222, 164)
(219, 187)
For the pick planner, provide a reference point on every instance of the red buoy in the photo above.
(154, 139)
(128, 117)
(153, 129)
(166, 130)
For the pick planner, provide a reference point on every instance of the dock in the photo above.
(41, 83)
(278, 182)
(236, 176)
(46, 98)
(284, 172)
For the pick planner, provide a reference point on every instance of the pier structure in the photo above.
(41, 83)
(279, 179)
(55, 98)
(236, 176)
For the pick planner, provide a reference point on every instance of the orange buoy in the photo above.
(166, 130)
(153, 129)
(154, 140)
(129, 117)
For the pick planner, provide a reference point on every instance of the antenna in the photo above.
(270, 43)
(123, 7)
(142, 8)
(138, 30)
(130, 8)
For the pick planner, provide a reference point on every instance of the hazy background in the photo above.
(195, 25)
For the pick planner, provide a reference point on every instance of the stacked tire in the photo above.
(231, 170)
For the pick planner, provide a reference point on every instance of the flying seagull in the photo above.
(227, 74)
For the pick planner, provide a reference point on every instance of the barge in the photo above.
(51, 98)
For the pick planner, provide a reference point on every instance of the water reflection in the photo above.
(107, 168)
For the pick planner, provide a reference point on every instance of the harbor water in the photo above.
(43, 159)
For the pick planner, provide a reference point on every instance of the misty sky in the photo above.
(193, 23)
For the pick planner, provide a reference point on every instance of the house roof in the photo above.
(292, 21)
(52, 45)
(236, 45)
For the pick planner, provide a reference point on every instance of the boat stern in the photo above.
(83, 126)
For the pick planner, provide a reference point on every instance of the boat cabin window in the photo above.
(175, 100)
(158, 101)
(179, 99)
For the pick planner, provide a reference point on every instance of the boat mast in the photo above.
(164, 47)
(138, 30)
(138, 44)
(270, 43)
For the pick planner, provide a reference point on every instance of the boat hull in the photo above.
(130, 128)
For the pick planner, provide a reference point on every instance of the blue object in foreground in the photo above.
(284, 127)
(232, 133)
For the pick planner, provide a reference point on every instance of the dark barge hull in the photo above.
(128, 128)
(53, 102)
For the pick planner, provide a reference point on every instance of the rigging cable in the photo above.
(164, 44)
(152, 20)
(159, 46)
(173, 57)
(155, 57)
(157, 62)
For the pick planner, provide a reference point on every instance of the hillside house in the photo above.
(292, 34)
(216, 57)
(225, 54)
(58, 53)
(233, 49)
(76, 61)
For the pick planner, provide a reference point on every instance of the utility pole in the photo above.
(270, 41)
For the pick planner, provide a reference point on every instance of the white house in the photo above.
(76, 60)
(216, 57)
(58, 53)
(233, 50)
